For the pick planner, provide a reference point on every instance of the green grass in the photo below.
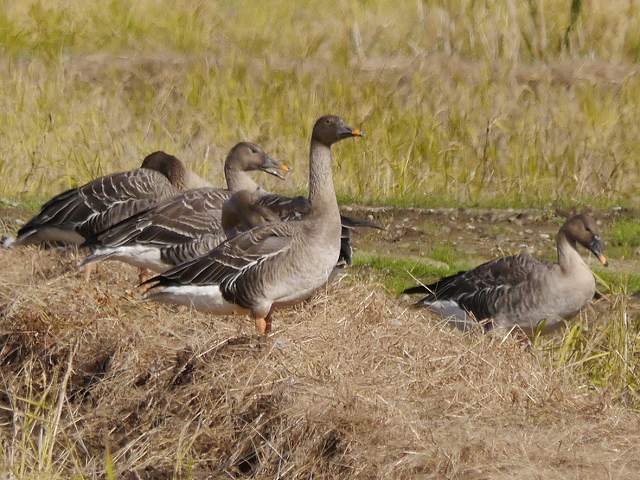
(466, 103)
(613, 281)
(397, 273)
(625, 232)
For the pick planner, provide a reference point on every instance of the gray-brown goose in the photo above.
(243, 211)
(189, 225)
(521, 290)
(186, 226)
(246, 210)
(274, 264)
(76, 214)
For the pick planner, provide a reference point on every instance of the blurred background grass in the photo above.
(465, 102)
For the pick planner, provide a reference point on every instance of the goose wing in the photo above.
(101, 203)
(235, 262)
(346, 246)
(177, 220)
(485, 288)
(294, 208)
(287, 208)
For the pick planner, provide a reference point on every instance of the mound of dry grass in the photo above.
(351, 384)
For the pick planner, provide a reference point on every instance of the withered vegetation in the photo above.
(354, 383)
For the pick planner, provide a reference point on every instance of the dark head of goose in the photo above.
(243, 212)
(582, 229)
(246, 156)
(330, 129)
(167, 165)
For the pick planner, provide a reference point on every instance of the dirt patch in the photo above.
(476, 234)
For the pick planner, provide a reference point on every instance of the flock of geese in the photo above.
(245, 250)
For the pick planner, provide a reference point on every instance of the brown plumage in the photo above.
(521, 290)
(76, 214)
(186, 226)
(242, 212)
(270, 265)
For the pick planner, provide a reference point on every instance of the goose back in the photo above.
(78, 213)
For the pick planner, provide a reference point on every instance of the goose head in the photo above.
(330, 129)
(167, 165)
(247, 156)
(582, 229)
(242, 211)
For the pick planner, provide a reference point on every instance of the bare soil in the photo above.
(478, 234)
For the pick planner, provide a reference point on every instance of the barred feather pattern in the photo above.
(502, 285)
(182, 228)
(101, 203)
(236, 265)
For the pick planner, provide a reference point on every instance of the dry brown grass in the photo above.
(352, 384)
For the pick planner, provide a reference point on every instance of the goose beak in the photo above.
(274, 167)
(596, 247)
(347, 132)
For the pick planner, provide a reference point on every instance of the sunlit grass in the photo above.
(466, 115)
(601, 345)
(398, 273)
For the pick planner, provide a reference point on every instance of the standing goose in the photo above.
(246, 210)
(186, 226)
(76, 214)
(521, 290)
(270, 265)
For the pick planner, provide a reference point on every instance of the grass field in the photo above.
(472, 103)
(465, 104)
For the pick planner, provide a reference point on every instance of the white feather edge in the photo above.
(452, 313)
(137, 255)
(206, 298)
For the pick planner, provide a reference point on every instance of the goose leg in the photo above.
(88, 270)
(268, 322)
(263, 324)
(144, 274)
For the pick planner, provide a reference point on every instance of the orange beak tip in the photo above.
(603, 260)
(357, 133)
(285, 168)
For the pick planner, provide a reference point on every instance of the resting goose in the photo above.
(76, 214)
(521, 290)
(242, 212)
(185, 226)
(270, 265)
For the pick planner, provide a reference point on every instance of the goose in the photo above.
(189, 225)
(185, 226)
(521, 291)
(76, 214)
(245, 210)
(272, 265)
(242, 212)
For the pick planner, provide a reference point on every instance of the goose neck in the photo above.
(238, 179)
(322, 195)
(568, 257)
